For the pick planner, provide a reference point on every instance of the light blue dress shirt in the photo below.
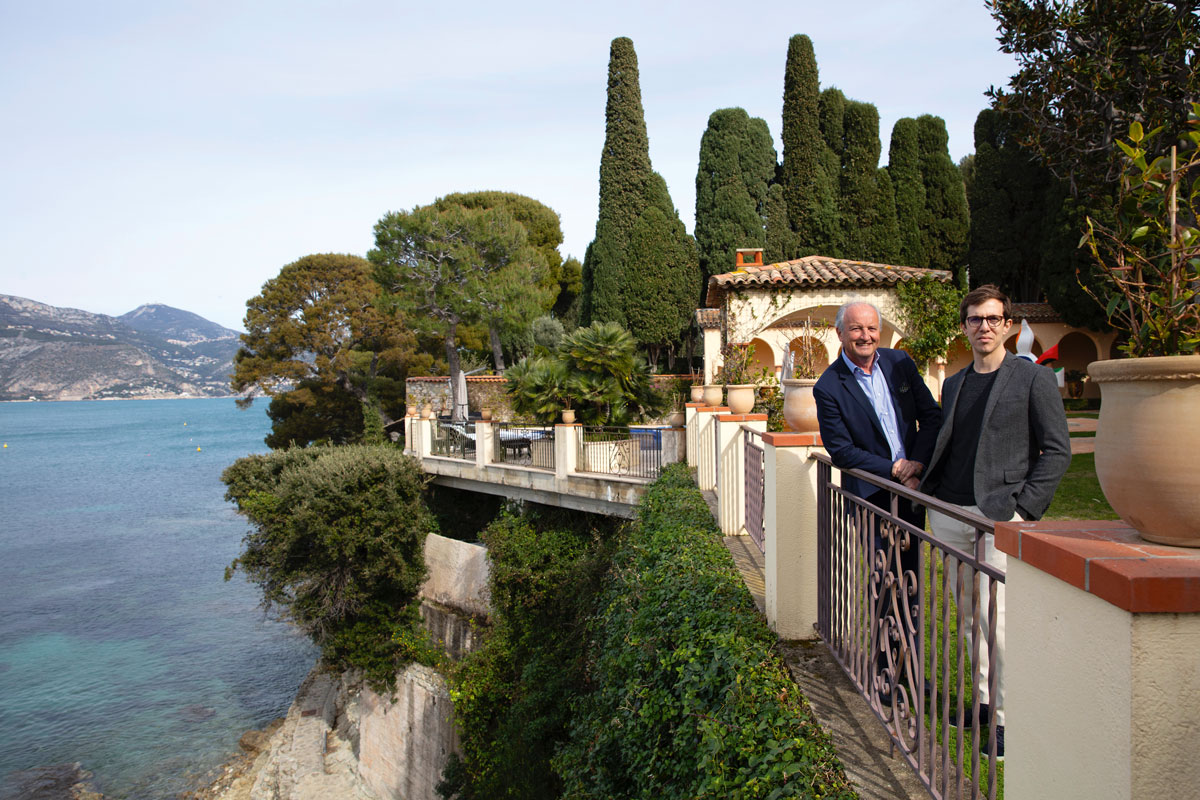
(876, 389)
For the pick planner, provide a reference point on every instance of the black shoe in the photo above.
(985, 716)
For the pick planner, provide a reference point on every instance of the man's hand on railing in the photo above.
(904, 469)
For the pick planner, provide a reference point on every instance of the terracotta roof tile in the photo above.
(1035, 312)
(708, 318)
(816, 271)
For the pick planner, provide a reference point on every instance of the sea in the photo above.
(122, 647)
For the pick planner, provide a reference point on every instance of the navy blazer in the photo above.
(850, 429)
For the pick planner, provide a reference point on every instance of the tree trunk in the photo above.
(452, 360)
(497, 352)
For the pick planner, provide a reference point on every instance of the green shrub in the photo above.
(510, 695)
(337, 546)
(687, 696)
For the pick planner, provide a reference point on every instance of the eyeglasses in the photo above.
(992, 322)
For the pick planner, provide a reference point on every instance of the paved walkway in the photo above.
(1082, 444)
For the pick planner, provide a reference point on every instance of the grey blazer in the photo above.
(1024, 446)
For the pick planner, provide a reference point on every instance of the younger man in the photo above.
(1001, 451)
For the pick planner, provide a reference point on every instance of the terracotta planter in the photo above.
(568, 416)
(712, 394)
(1146, 444)
(697, 393)
(677, 419)
(485, 413)
(799, 407)
(741, 397)
(427, 411)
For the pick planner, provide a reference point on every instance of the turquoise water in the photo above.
(121, 645)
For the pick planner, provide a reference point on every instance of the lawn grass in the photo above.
(1079, 495)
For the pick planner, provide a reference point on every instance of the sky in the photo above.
(184, 152)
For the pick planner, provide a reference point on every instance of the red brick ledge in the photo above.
(744, 418)
(777, 439)
(1109, 560)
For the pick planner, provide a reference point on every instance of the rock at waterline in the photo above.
(54, 782)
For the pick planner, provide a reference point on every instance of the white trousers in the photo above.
(961, 536)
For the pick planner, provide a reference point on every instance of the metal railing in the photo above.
(453, 440)
(755, 488)
(901, 613)
(630, 452)
(523, 445)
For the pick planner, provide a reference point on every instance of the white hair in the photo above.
(841, 312)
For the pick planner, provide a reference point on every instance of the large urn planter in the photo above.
(697, 393)
(1147, 443)
(568, 416)
(712, 394)
(799, 406)
(740, 397)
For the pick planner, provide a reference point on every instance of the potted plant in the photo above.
(697, 388)
(1149, 269)
(736, 373)
(1074, 379)
(801, 367)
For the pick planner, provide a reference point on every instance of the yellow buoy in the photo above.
(197, 449)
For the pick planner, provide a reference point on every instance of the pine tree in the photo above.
(736, 165)
(624, 173)
(945, 221)
(904, 168)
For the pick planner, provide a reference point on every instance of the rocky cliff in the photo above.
(49, 353)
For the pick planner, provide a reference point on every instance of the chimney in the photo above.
(749, 257)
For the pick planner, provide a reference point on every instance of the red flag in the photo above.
(1049, 355)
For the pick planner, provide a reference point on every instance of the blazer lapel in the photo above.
(851, 385)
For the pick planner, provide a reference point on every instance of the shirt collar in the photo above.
(855, 368)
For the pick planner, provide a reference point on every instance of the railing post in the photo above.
(410, 447)
(485, 443)
(692, 424)
(790, 522)
(731, 474)
(1102, 645)
(423, 433)
(566, 448)
(706, 443)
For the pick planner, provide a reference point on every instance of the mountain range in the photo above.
(50, 353)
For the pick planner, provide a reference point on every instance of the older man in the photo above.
(876, 414)
(875, 411)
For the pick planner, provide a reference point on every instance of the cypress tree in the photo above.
(945, 221)
(736, 165)
(624, 173)
(883, 240)
(807, 190)
(1007, 197)
(801, 131)
(780, 239)
(904, 168)
(868, 214)
(667, 278)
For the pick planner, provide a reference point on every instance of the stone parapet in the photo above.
(1103, 662)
